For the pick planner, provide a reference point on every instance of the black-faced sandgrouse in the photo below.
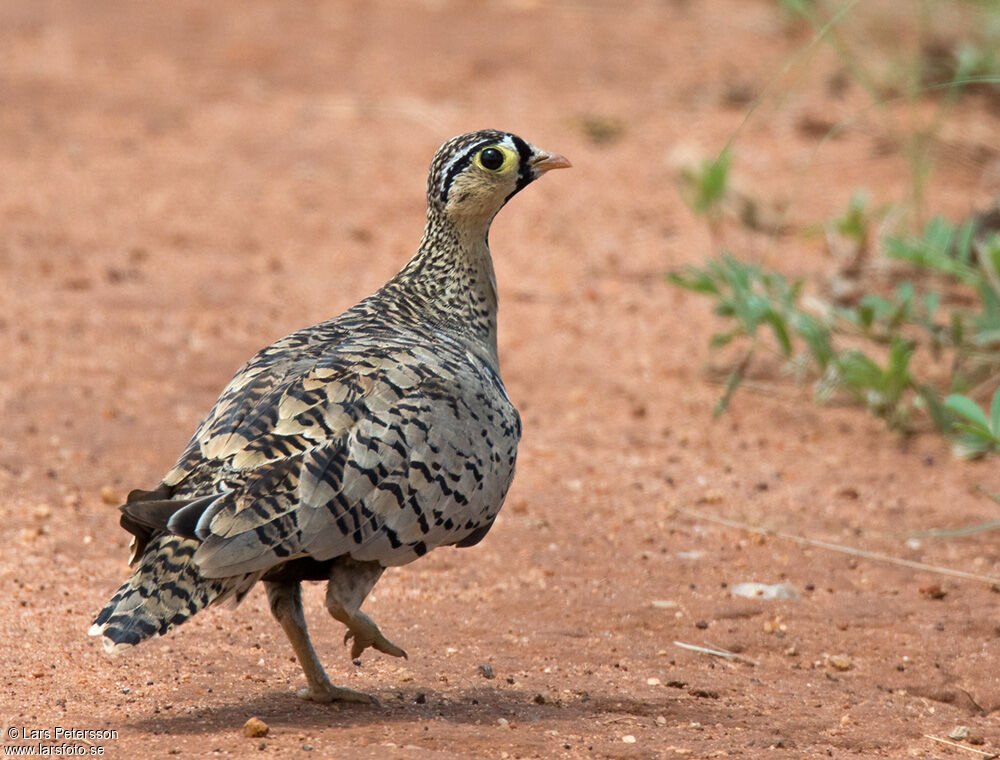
(354, 445)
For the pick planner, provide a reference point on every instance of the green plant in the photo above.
(704, 189)
(745, 293)
(797, 10)
(922, 347)
(856, 223)
(876, 353)
(979, 434)
(750, 297)
(753, 299)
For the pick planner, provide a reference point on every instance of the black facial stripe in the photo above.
(524, 175)
(460, 165)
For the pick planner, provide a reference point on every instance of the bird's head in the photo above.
(474, 174)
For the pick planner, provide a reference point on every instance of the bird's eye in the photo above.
(491, 159)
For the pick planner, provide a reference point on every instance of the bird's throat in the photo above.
(452, 282)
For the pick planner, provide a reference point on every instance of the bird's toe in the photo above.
(329, 693)
(363, 639)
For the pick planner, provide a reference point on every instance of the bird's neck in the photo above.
(451, 283)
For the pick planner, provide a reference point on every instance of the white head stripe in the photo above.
(507, 142)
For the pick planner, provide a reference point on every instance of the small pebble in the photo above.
(503, 723)
(664, 604)
(486, 671)
(779, 591)
(690, 555)
(958, 733)
(109, 497)
(660, 720)
(628, 739)
(653, 681)
(255, 728)
(774, 626)
(711, 496)
(934, 591)
(841, 662)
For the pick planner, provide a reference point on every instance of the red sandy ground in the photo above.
(183, 183)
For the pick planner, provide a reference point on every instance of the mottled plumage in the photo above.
(353, 445)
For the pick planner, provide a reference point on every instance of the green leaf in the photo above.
(692, 279)
(963, 244)
(966, 407)
(995, 413)
(817, 337)
(934, 251)
(732, 383)
(931, 303)
(939, 414)
(859, 372)
(987, 337)
(711, 183)
(780, 332)
(957, 329)
(974, 430)
(718, 340)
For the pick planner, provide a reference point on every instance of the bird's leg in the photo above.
(350, 582)
(286, 606)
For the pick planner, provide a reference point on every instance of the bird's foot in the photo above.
(328, 693)
(366, 634)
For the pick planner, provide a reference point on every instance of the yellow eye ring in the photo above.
(496, 158)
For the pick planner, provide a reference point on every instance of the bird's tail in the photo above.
(165, 590)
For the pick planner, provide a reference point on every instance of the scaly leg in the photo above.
(350, 582)
(286, 606)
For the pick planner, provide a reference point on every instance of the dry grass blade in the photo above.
(877, 556)
(987, 755)
(967, 530)
(724, 653)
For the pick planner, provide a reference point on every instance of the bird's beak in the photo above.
(542, 162)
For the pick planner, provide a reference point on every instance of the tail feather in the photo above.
(165, 590)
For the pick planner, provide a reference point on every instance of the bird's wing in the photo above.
(249, 407)
(381, 458)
